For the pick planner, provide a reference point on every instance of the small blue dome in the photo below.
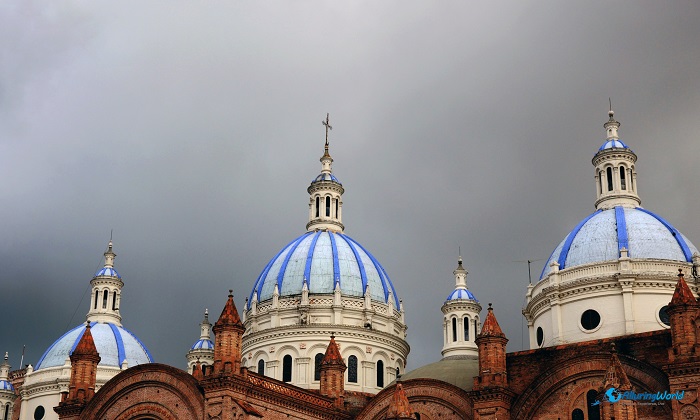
(107, 272)
(114, 344)
(461, 294)
(322, 257)
(203, 344)
(6, 386)
(613, 144)
(326, 177)
(600, 236)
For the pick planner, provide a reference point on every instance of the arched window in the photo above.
(7, 412)
(476, 325)
(577, 414)
(380, 374)
(631, 179)
(466, 328)
(114, 301)
(623, 184)
(593, 410)
(261, 367)
(317, 366)
(352, 369)
(328, 207)
(600, 179)
(97, 296)
(105, 295)
(454, 329)
(287, 369)
(317, 205)
(336, 208)
(608, 172)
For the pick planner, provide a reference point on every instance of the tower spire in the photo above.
(325, 191)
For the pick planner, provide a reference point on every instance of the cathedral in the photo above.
(613, 321)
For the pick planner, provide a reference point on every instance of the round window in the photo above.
(39, 412)
(590, 319)
(663, 316)
(540, 336)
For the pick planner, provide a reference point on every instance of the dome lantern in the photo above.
(461, 318)
(106, 292)
(615, 175)
(325, 195)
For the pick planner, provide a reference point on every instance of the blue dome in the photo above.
(613, 144)
(326, 177)
(203, 344)
(114, 344)
(322, 257)
(461, 294)
(108, 272)
(600, 236)
(6, 386)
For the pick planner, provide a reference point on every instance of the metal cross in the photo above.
(328, 127)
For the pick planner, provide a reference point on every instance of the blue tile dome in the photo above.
(6, 386)
(114, 344)
(461, 294)
(322, 258)
(600, 236)
(613, 144)
(326, 177)
(107, 272)
(203, 345)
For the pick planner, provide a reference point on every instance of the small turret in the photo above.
(400, 408)
(202, 351)
(461, 318)
(332, 373)
(228, 330)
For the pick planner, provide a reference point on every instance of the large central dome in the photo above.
(322, 259)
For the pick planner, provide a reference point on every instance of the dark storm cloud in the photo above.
(193, 130)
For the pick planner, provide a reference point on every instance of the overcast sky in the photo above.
(192, 129)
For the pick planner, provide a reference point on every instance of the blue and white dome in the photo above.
(203, 345)
(600, 236)
(613, 144)
(6, 386)
(107, 272)
(114, 344)
(461, 294)
(322, 258)
(326, 177)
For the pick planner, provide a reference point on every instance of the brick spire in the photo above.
(615, 377)
(682, 295)
(228, 330)
(333, 373)
(683, 310)
(399, 408)
(491, 327)
(83, 376)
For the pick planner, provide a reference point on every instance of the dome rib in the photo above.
(336, 264)
(622, 237)
(41, 360)
(570, 239)
(358, 260)
(283, 269)
(676, 234)
(310, 257)
(382, 274)
(140, 343)
(121, 354)
(261, 279)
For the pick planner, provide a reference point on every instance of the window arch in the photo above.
(352, 369)
(317, 205)
(623, 183)
(105, 295)
(600, 182)
(593, 410)
(261, 367)
(328, 206)
(608, 172)
(97, 296)
(577, 414)
(287, 368)
(317, 366)
(7, 412)
(336, 208)
(114, 301)
(466, 328)
(454, 329)
(380, 374)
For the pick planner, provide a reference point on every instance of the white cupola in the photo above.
(615, 176)
(325, 195)
(106, 292)
(460, 318)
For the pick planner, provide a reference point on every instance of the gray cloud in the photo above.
(193, 130)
